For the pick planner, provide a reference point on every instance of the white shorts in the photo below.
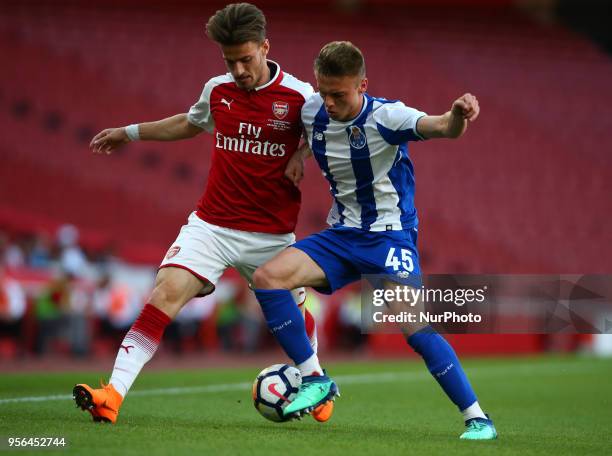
(208, 250)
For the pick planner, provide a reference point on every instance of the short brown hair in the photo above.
(340, 58)
(237, 23)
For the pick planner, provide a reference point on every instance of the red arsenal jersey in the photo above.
(255, 133)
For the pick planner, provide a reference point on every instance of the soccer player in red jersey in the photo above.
(248, 211)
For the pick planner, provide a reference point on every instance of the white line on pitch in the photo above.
(381, 377)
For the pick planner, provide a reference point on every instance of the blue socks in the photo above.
(286, 323)
(444, 365)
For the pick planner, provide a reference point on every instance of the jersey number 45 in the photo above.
(406, 260)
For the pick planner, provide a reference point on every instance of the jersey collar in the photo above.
(274, 79)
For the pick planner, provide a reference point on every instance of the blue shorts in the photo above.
(345, 254)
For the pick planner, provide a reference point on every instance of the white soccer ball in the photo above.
(274, 388)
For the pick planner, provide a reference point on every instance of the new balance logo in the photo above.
(227, 103)
(127, 348)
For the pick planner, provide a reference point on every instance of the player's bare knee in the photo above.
(266, 277)
(168, 296)
(261, 278)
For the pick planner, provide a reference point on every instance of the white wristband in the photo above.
(132, 132)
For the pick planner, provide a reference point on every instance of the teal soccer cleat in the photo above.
(479, 429)
(314, 391)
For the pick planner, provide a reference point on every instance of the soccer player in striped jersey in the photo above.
(360, 143)
(249, 208)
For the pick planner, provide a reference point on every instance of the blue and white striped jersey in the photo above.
(366, 162)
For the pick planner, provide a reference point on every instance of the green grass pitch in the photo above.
(544, 405)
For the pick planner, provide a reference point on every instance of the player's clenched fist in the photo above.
(466, 107)
(108, 140)
(295, 167)
(295, 170)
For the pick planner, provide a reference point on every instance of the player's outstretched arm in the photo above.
(453, 123)
(169, 129)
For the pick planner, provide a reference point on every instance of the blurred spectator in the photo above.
(239, 319)
(106, 259)
(349, 320)
(50, 308)
(251, 320)
(228, 318)
(72, 258)
(116, 305)
(39, 254)
(11, 254)
(77, 318)
(12, 310)
(185, 331)
(12, 299)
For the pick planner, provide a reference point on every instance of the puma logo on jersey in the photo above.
(227, 103)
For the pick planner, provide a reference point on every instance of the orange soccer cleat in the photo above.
(102, 403)
(323, 412)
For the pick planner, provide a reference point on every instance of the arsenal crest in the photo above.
(172, 251)
(280, 109)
